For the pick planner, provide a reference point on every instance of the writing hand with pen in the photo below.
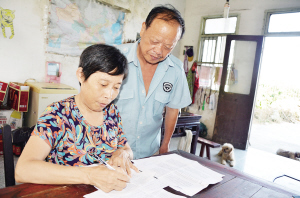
(113, 175)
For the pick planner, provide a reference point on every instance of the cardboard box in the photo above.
(1, 142)
(11, 117)
(3, 87)
(18, 95)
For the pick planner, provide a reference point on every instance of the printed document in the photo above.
(175, 171)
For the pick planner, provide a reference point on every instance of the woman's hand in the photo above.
(106, 179)
(121, 158)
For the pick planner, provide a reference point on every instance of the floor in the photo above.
(260, 164)
(253, 161)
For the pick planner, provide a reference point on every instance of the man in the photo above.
(155, 79)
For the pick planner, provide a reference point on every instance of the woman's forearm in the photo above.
(42, 172)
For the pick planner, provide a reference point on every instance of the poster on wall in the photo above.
(76, 24)
(6, 20)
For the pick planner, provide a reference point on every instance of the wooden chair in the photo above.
(19, 136)
(9, 168)
(206, 144)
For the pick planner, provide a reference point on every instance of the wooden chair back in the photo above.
(19, 136)
(9, 168)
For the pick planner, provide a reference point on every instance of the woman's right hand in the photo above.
(106, 179)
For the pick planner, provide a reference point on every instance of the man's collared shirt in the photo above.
(142, 114)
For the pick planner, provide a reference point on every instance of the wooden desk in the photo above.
(186, 121)
(234, 184)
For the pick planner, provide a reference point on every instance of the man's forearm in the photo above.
(170, 123)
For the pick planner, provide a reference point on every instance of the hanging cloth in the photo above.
(185, 141)
(196, 80)
(204, 76)
(190, 80)
(186, 64)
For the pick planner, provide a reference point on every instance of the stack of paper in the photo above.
(179, 173)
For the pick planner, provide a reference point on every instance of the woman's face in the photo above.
(99, 90)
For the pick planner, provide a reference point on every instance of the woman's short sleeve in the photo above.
(49, 125)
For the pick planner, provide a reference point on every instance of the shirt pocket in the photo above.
(160, 101)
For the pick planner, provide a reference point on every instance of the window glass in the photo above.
(220, 25)
(286, 22)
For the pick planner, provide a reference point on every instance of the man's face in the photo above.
(158, 40)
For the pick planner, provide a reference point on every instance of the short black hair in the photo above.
(103, 58)
(167, 13)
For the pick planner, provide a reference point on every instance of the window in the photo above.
(220, 25)
(281, 48)
(211, 49)
(282, 23)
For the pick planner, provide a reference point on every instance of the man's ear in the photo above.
(80, 75)
(143, 29)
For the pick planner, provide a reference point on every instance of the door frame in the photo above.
(226, 129)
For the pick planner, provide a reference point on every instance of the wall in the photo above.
(251, 23)
(24, 57)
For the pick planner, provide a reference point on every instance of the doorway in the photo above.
(276, 117)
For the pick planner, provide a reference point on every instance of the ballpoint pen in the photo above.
(102, 161)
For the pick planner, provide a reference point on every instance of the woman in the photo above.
(71, 133)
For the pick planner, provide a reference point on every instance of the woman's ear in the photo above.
(80, 75)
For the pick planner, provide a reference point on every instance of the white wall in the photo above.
(251, 23)
(24, 57)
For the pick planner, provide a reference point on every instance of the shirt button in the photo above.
(138, 137)
(141, 122)
(143, 107)
(143, 91)
(125, 50)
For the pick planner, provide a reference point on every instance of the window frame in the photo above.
(268, 14)
(203, 35)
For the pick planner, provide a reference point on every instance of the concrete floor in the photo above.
(253, 161)
(259, 164)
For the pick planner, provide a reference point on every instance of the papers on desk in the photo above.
(179, 173)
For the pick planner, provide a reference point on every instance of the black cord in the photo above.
(286, 176)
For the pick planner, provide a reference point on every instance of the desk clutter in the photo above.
(158, 173)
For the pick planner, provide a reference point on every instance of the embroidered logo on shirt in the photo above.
(167, 86)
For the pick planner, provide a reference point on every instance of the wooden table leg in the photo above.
(195, 140)
(202, 150)
(207, 152)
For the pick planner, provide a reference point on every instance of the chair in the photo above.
(18, 136)
(9, 168)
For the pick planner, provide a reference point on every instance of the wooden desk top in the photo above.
(234, 184)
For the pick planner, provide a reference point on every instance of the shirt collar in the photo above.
(132, 57)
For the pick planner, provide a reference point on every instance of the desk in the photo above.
(234, 184)
(186, 121)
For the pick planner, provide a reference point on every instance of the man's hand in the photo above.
(121, 158)
(164, 148)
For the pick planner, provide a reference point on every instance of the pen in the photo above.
(102, 161)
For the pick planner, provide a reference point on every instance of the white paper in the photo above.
(175, 171)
